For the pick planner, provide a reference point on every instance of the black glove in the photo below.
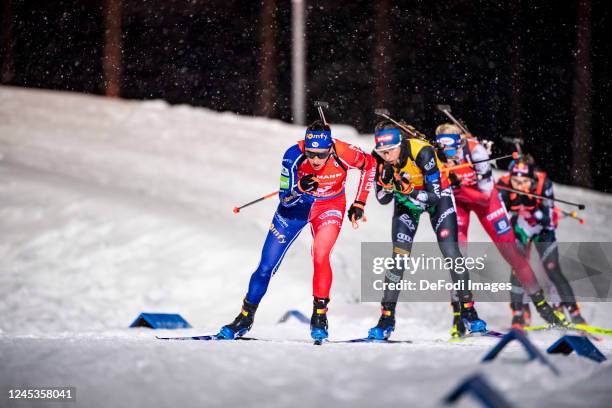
(541, 215)
(454, 179)
(402, 185)
(308, 183)
(356, 211)
(384, 175)
(441, 153)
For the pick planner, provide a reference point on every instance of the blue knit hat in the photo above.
(318, 139)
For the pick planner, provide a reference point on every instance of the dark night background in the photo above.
(206, 53)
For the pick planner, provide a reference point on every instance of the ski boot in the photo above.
(470, 319)
(521, 315)
(573, 309)
(551, 316)
(458, 329)
(527, 314)
(318, 321)
(241, 324)
(386, 323)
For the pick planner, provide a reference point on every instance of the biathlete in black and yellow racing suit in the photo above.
(408, 173)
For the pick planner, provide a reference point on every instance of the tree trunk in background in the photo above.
(382, 55)
(7, 71)
(516, 63)
(581, 100)
(266, 86)
(298, 61)
(112, 48)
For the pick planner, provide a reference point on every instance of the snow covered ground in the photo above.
(110, 208)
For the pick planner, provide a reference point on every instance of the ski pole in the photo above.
(514, 155)
(580, 206)
(237, 209)
(571, 214)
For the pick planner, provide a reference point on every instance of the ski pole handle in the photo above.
(514, 155)
(237, 209)
(580, 206)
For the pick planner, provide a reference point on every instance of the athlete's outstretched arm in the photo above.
(355, 158)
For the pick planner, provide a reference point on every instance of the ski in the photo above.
(488, 333)
(212, 337)
(368, 340)
(589, 331)
(536, 328)
(593, 329)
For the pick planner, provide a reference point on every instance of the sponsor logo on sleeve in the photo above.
(430, 165)
(495, 214)
(284, 182)
(502, 226)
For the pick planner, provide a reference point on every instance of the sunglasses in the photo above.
(321, 155)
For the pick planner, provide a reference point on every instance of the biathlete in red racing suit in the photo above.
(408, 173)
(534, 221)
(475, 191)
(312, 181)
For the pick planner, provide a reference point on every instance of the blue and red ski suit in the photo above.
(323, 209)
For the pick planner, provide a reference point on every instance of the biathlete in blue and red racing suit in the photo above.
(312, 181)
